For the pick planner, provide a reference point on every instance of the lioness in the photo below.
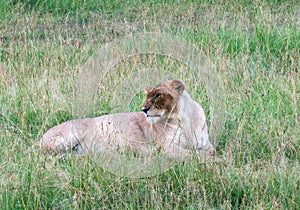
(171, 122)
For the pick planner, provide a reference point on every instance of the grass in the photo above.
(255, 47)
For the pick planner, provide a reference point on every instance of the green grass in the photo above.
(255, 46)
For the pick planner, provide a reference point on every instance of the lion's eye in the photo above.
(157, 95)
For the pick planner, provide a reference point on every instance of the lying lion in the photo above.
(171, 123)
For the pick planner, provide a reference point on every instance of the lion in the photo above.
(170, 122)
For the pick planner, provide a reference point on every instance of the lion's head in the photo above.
(162, 100)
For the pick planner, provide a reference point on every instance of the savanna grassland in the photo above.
(255, 48)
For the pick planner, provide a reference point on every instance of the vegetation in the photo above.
(255, 47)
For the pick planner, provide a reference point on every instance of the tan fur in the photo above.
(171, 123)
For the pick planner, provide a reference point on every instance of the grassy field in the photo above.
(255, 48)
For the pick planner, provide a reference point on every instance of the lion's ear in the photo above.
(147, 90)
(178, 85)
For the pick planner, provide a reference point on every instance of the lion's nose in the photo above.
(145, 109)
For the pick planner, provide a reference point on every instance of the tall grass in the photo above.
(255, 47)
